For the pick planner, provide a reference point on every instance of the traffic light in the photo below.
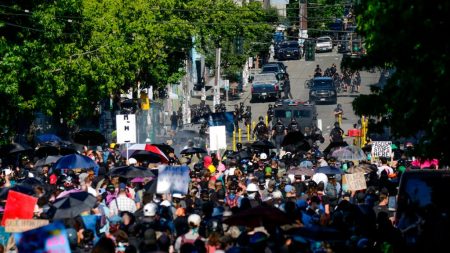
(310, 53)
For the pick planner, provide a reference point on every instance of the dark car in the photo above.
(323, 90)
(272, 68)
(266, 86)
(289, 50)
(304, 113)
(423, 210)
(283, 67)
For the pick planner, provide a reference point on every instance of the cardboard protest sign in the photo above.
(50, 238)
(355, 182)
(173, 179)
(18, 206)
(22, 225)
(381, 149)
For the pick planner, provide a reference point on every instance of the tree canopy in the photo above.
(62, 57)
(405, 36)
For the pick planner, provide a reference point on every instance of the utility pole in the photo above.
(216, 99)
(303, 21)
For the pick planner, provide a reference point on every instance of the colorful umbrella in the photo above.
(147, 147)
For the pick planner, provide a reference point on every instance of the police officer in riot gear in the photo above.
(261, 130)
(236, 117)
(248, 116)
(270, 113)
(293, 126)
(241, 110)
(278, 133)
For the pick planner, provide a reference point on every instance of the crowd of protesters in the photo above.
(128, 217)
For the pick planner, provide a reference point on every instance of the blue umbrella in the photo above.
(48, 138)
(328, 170)
(75, 161)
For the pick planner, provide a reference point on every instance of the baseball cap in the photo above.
(150, 209)
(122, 186)
(132, 161)
(166, 203)
(263, 156)
(289, 188)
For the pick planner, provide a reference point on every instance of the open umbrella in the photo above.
(144, 155)
(333, 145)
(349, 153)
(295, 141)
(47, 149)
(317, 233)
(262, 144)
(257, 216)
(193, 150)
(89, 138)
(301, 171)
(147, 147)
(328, 170)
(48, 138)
(47, 160)
(72, 205)
(131, 172)
(14, 148)
(167, 149)
(31, 182)
(74, 161)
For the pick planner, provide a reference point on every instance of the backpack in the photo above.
(184, 240)
(336, 135)
(331, 191)
(261, 128)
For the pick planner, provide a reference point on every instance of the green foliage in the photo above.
(62, 57)
(322, 13)
(403, 34)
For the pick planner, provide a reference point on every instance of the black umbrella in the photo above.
(144, 155)
(47, 160)
(240, 155)
(295, 141)
(131, 172)
(89, 138)
(47, 150)
(72, 205)
(25, 189)
(31, 182)
(14, 148)
(334, 145)
(166, 149)
(67, 148)
(263, 144)
(193, 150)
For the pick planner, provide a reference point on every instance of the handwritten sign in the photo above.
(381, 149)
(22, 225)
(173, 179)
(355, 182)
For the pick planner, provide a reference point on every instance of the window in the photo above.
(302, 114)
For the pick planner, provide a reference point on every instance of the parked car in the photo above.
(324, 44)
(323, 90)
(272, 68)
(266, 86)
(289, 50)
(283, 67)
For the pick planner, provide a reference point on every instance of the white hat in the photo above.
(194, 219)
(132, 161)
(7, 172)
(252, 187)
(166, 203)
(263, 156)
(150, 209)
(178, 195)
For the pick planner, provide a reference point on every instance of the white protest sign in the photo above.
(381, 149)
(173, 179)
(355, 182)
(126, 128)
(217, 138)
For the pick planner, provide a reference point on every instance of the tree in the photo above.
(400, 35)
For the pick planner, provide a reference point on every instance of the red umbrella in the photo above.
(147, 147)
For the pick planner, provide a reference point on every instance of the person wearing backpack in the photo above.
(192, 235)
(278, 133)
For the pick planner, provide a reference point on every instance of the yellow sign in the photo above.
(22, 225)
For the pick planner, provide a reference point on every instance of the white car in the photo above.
(324, 44)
